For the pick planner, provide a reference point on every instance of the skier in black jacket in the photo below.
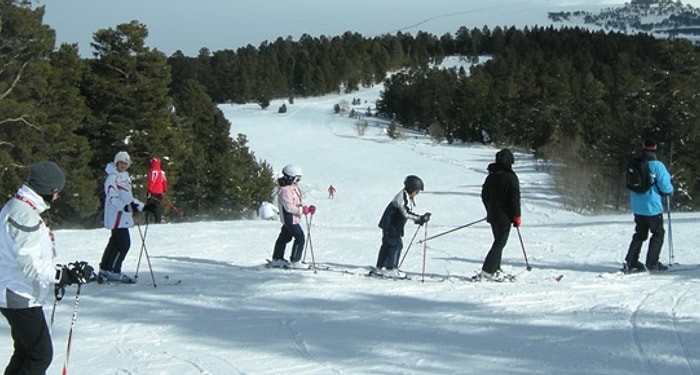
(501, 197)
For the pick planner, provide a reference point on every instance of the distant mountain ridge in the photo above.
(663, 18)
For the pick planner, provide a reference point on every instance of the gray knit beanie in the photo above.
(46, 178)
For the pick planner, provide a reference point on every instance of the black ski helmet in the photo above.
(413, 183)
(505, 157)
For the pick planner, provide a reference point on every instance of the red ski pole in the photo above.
(70, 333)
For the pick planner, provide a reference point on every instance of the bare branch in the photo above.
(15, 82)
(22, 119)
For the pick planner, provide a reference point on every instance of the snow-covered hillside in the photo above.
(661, 19)
(216, 310)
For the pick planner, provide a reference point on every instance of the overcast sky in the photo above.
(225, 24)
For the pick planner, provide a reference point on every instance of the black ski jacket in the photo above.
(501, 194)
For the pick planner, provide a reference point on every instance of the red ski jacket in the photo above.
(157, 182)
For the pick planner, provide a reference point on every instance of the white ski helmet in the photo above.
(292, 171)
(122, 156)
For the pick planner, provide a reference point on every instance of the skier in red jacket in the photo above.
(157, 186)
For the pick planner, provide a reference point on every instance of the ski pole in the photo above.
(143, 245)
(671, 259)
(145, 251)
(311, 244)
(522, 245)
(58, 293)
(452, 230)
(308, 237)
(425, 252)
(70, 333)
(177, 211)
(409, 246)
(167, 200)
(143, 241)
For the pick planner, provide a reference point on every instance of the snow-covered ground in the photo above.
(216, 310)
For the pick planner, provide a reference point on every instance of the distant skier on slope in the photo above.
(397, 212)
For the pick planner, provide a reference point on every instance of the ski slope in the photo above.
(216, 310)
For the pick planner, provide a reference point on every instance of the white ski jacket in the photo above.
(118, 197)
(27, 252)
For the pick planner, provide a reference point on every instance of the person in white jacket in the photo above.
(28, 271)
(120, 206)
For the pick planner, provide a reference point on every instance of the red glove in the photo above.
(312, 209)
(305, 210)
(516, 221)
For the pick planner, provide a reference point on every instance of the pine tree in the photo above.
(66, 110)
(220, 177)
(127, 90)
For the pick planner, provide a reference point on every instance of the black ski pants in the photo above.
(390, 251)
(115, 252)
(154, 201)
(286, 234)
(642, 226)
(500, 231)
(33, 350)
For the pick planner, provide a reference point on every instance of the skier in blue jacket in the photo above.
(648, 212)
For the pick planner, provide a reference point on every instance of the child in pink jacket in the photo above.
(291, 208)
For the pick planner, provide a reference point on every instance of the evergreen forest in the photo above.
(580, 101)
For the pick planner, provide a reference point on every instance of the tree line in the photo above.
(581, 100)
(578, 99)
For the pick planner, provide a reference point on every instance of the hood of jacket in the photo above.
(26, 193)
(155, 163)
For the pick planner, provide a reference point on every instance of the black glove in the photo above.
(84, 271)
(76, 273)
(66, 276)
(423, 219)
(131, 207)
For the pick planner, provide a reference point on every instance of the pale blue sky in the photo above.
(226, 24)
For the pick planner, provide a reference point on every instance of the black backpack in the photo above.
(637, 176)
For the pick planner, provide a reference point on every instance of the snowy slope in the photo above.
(228, 315)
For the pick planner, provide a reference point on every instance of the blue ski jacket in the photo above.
(650, 203)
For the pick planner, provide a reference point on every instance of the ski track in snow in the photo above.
(648, 344)
(676, 324)
(642, 354)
